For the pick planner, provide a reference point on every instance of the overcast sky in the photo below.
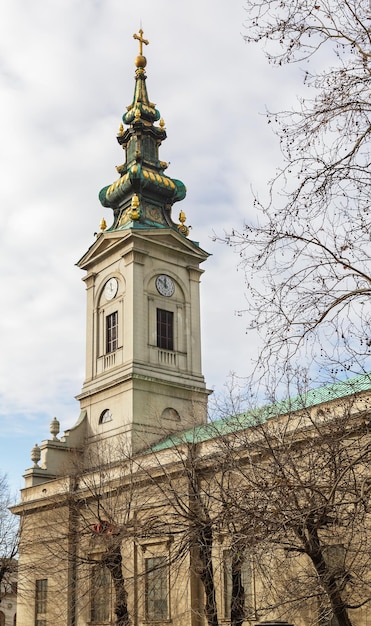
(66, 76)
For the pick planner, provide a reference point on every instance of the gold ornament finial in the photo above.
(103, 224)
(141, 41)
(162, 123)
(141, 60)
(183, 229)
(121, 130)
(134, 212)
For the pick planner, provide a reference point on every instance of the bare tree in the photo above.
(307, 255)
(297, 488)
(111, 501)
(82, 535)
(187, 500)
(288, 486)
(101, 511)
(104, 499)
(8, 536)
(200, 514)
(300, 484)
(182, 477)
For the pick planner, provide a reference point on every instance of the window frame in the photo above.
(153, 585)
(248, 582)
(105, 417)
(98, 595)
(165, 329)
(41, 601)
(111, 332)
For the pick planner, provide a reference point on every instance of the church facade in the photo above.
(143, 512)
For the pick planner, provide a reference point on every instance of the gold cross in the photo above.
(141, 41)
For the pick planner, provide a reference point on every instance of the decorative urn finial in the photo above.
(134, 208)
(183, 229)
(35, 455)
(54, 428)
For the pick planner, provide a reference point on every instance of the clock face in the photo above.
(165, 285)
(110, 289)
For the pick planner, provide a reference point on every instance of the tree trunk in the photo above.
(113, 560)
(205, 544)
(202, 539)
(328, 580)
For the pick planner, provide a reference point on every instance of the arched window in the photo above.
(105, 416)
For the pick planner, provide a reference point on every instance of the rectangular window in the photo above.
(247, 581)
(41, 592)
(165, 329)
(156, 588)
(100, 595)
(111, 332)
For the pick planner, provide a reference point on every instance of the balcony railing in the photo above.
(167, 357)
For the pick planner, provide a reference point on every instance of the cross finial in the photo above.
(141, 40)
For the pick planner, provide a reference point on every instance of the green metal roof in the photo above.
(143, 195)
(234, 423)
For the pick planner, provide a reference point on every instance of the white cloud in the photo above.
(66, 76)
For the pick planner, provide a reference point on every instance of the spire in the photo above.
(143, 195)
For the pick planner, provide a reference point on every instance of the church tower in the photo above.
(143, 382)
(143, 345)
